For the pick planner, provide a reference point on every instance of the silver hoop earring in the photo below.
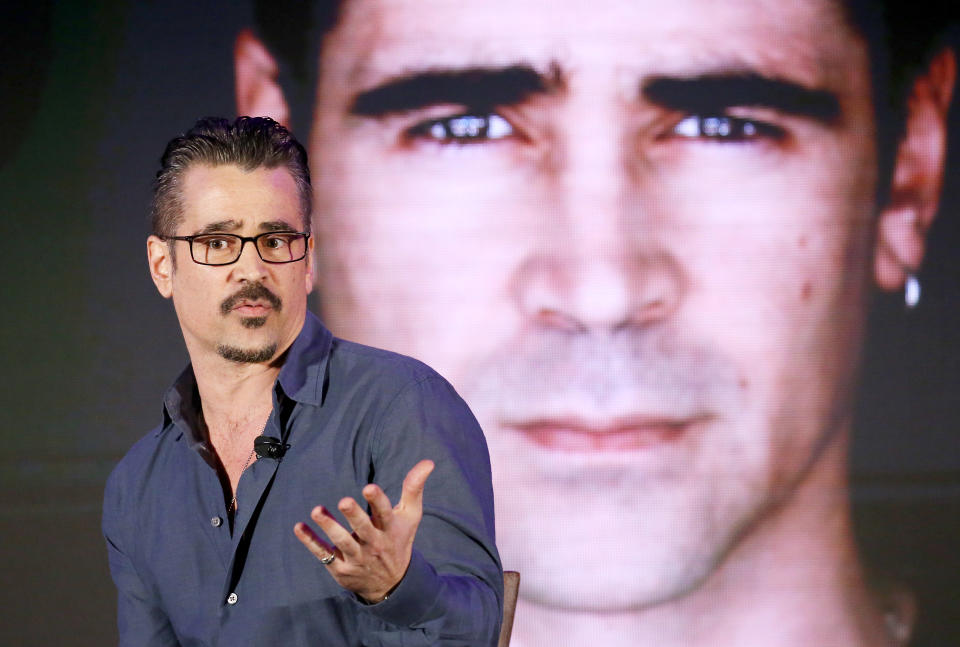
(911, 291)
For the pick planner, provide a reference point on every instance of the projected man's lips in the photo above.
(633, 433)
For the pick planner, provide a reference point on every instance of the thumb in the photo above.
(411, 498)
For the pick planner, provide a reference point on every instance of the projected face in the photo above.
(636, 239)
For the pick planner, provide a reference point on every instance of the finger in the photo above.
(362, 526)
(411, 498)
(340, 537)
(319, 548)
(381, 512)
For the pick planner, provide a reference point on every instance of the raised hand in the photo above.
(372, 559)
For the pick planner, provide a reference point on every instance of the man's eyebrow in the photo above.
(472, 86)
(219, 227)
(277, 225)
(226, 226)
(716, 92)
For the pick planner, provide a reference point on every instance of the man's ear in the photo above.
(161, 265)
(258, 91)
(311, 265)
(917, 176)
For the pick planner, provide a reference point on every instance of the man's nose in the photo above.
(597, 290)
(249, 267)
(600, 264)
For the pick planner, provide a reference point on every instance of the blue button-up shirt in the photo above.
(351, 415)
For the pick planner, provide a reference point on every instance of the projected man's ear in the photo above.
(258, 92)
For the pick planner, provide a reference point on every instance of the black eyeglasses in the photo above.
(224, 249)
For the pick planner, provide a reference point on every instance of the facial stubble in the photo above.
(252, 291)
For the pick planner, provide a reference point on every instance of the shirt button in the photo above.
(232, 598)
(216, 521)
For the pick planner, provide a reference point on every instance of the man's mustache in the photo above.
(251, 292)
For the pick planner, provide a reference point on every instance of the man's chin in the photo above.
(247, 355)
(582, 588)
(611, 549)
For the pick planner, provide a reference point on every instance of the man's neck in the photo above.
(794, 580)
(234, 395)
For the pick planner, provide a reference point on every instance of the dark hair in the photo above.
(248, 142)
(902, 36)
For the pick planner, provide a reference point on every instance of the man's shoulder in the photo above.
(135, 466)
(386, 365)
(377, 377)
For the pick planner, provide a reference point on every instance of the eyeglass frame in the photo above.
(243, 241)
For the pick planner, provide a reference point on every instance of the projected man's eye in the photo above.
(463, 129)
(725, 128)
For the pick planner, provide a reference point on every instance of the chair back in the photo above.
(511, 585)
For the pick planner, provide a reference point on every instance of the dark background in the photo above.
(90, 95)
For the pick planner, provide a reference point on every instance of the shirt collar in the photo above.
(181, 406)
(301, 379)
(305, 367)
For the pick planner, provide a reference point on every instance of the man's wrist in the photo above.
(371, 601)
(378, 599)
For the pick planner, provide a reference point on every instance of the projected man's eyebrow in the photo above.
(510, 85)
(473, 87)
(718, 92)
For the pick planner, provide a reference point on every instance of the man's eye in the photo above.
(275, 242)
(213, 243)
(724, 128)
(463, 129)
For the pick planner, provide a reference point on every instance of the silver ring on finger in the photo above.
(328, 559)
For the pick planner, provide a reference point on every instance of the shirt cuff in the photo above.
(413, 597)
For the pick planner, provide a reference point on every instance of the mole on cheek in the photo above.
(806, 291)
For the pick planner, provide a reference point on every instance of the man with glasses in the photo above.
(275, 416)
